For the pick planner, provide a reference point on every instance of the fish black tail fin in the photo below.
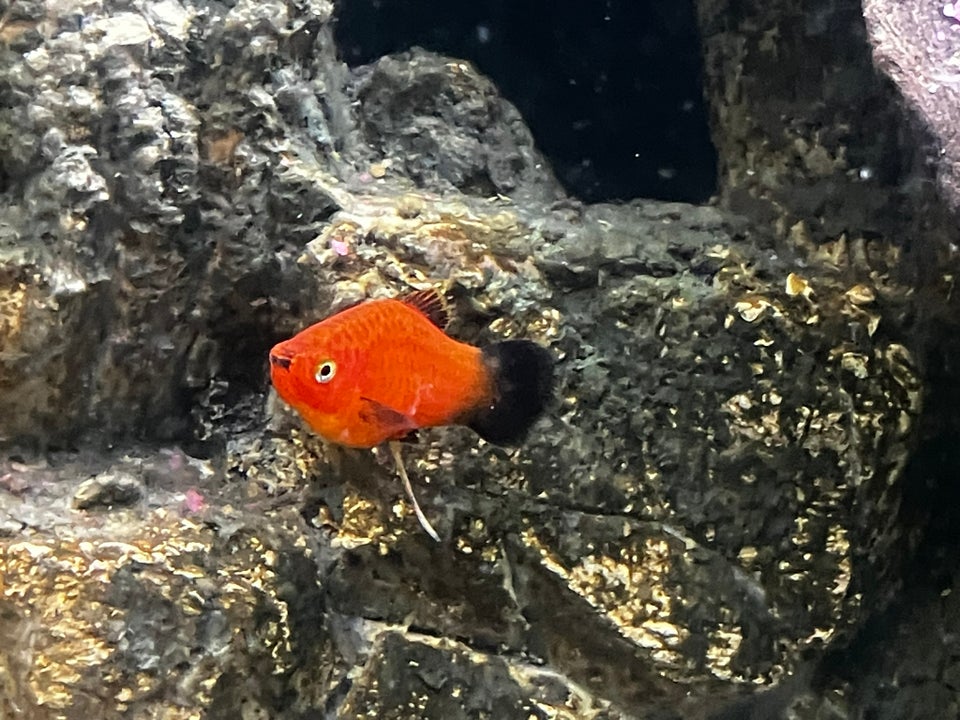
(523, 384)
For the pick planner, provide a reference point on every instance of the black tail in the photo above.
(523, 383)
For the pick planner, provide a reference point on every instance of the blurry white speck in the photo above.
(687, 106)
(146, 157)
(81, 97)
(121, 29)
(483, 34)
(951, 10)
(37, 60)
(606, 18)
(170, 17)
(65, 282)
(866, 173)
(261, 98)
(667, 173)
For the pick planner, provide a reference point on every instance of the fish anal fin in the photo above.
(430, 303)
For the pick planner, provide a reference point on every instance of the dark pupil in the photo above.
(325, 371)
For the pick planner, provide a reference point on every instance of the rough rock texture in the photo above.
(817, 143)
(710, 504)
(154, 205)
(917, 45)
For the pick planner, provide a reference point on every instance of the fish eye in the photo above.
(325, 371)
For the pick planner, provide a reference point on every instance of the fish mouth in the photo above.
(280, 361)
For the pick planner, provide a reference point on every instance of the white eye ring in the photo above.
(325, 371)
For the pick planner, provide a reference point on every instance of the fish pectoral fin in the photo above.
(385, 416)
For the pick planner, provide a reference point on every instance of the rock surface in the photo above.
(917, 45)
(818, 144)
(710, 505)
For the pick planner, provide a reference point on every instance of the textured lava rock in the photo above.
(916, 45)
(821, 147)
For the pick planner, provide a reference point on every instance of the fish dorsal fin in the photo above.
(430, 303)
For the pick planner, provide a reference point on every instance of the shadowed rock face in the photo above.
(709, 503)
(815, 139)
(916, 45)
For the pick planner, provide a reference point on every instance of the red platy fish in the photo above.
(382, 369)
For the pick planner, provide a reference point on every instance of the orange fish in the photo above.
(382, 369)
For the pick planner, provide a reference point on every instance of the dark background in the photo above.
(611, 89)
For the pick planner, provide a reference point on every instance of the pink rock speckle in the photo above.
(194, 501)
